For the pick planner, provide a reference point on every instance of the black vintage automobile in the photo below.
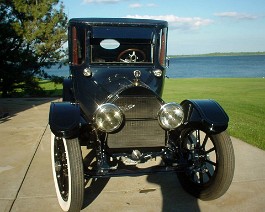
(112, 105)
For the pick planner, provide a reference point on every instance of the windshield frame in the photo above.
(129, 38)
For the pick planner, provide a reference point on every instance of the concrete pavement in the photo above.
(26, 182)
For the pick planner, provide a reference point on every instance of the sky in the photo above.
(195, 26)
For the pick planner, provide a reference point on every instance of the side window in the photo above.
(78, 45)
(163, 47)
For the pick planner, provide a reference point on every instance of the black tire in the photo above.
(211, 164)
(68, 174)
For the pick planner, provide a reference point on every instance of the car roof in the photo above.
(118, 22)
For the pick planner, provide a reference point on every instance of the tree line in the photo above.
(32, 35)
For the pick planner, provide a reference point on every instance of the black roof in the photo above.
(118, 22)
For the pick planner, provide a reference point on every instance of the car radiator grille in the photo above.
(141, 125)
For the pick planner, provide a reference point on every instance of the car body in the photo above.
(113, 105)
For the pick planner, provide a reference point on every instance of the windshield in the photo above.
(122, 45)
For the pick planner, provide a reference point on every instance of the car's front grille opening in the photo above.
(141, 125)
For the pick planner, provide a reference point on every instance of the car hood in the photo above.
(104, 86)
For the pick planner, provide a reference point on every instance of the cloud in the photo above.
(101, 1)
(137, 5)
(175, 22)
(151, 5)
(236, 15)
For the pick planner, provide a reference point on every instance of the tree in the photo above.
(32, 36)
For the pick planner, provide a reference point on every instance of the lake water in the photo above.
(217, 67)
(205, 67)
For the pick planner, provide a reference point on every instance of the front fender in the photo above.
(205, 114)
(64, 119)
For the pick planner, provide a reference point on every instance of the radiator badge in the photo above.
(126, 107)
(137, 75)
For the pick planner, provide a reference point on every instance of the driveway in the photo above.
(26, 182)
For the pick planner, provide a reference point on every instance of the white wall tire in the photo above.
(68, 175)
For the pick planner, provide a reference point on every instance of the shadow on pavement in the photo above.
(94, 190)
(174, 197)
(9, 107)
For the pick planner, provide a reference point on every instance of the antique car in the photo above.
(113, 108)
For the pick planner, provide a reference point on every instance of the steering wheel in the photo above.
(132, 56)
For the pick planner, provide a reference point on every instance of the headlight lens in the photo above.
(108, 117)
(170, 116)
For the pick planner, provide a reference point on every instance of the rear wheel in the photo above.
(211, 164)
(68, 175)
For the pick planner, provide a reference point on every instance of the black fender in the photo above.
(205, 114)
(64, 119)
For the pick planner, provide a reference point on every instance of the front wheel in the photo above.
(211, 163)
(68, 175)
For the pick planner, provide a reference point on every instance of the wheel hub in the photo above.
(198, 158)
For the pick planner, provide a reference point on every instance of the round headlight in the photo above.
(108, 117)
(170, 116)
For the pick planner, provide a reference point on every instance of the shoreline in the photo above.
(220, 54)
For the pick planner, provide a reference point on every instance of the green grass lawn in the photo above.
(51, 89)
(242, 98)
